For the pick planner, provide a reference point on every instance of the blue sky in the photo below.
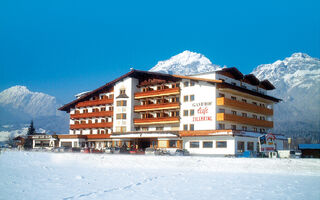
(63, 47)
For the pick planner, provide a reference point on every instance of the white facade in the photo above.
(198, 105)
(128, 85)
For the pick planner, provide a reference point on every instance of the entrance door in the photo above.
(144, 143)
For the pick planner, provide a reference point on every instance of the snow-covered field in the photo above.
(38, 175)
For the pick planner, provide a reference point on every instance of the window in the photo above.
(103, 109)
(192, 112)
(244, 115)
(121, 116)
(186, 84)
(250, 146)
(240, 146)
(233, 98)
(255, 129)
(234, 112)
(122, 91)
(233, 127)
(159, 128)
(172, 143)
(123, 129)
(122, 103)
(185, 113)
(262, 118)
(222, 110)
(254, 103)
(191, 97)
(244, 100)
(208, 144)
(255, 116)
(191, 127)
(221, 95)
(233, 83)
(221, 126)
(192, 83)
(185, 127)
(244, 128)
(186, 98)
(221, 144)
(194, 144)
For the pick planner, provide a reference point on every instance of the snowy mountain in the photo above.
(185, 63)
(18, 106)
(297, 82)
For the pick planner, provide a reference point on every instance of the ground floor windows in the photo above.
(221, 144)
(194, 144)
(250, 146)
(240, 146)
(207, 144)
(172, 143)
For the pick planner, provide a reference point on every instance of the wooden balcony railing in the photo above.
(160, 120)
(93, 125)
(244, 120)
(161, 106)
(155, 93)
(93, 114)
(222, 101)
(95, 102)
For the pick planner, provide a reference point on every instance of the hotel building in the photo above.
(218, 113)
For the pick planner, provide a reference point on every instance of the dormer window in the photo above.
(122, 91)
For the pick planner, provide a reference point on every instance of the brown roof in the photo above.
(252, 79)
(198, 79)
(232, 70)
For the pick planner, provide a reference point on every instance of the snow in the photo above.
(38, 175)
(185, 63)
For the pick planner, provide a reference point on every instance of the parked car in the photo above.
(136, 151)
(150, 151)
(246, 154)
(182, 152)
(59, 149)
(75, 149)
(115, 150)
(108, 150)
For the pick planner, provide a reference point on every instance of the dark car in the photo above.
(182, 152)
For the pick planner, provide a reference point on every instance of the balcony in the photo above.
(94, 102)
(161, 106)
(90, 115)
(244, 120)
(157, 93)
(93, 125)
(222, 101)
(159, 120)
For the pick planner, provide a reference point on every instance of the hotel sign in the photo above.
(202, 111)
(267, 143)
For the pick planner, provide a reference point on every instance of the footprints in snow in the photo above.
(117, 188)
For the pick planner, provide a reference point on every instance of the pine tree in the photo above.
(31, 130)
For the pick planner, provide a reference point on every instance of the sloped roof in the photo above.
(309, 146)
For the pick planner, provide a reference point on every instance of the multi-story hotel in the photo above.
(222, 112)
